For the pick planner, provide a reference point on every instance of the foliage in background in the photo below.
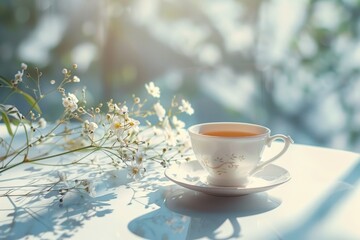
(290, 65)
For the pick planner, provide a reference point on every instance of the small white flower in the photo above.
(136, 171)
(108, 117)
(92, 127)
(140, 157)
(73, 98)
(153, 90)
(18, 77)
(186, 107)
(134, 124)
(117, 126)
(64, 71)
(124, 109)
(137, 100)
(178, 124)
(113, 107)
(86, 125)
(70, 102)
(116, 109)
(89, 128)
(110, 106)
(160, 111)
(42, 123)
(76, 79)
(81, 110)
(23, 66)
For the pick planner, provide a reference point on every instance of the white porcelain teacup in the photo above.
(231, 152)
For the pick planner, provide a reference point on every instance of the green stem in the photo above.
(47, 157)
(8, 96)
(63, 153)
(26, 147)
(11, 141)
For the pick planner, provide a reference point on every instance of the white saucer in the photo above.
(192, 176)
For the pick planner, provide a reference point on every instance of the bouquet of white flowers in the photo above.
(127, 134)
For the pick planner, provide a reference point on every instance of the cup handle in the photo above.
(287, 141)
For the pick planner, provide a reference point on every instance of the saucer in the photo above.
(192, 176)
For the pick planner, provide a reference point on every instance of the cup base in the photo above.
(225, 182)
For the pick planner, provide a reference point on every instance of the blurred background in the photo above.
(290, 65)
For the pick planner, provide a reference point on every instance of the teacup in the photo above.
(231, 151)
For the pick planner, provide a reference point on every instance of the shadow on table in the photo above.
(56, 221)
(333, 199)
(43, 216)
(190, 215)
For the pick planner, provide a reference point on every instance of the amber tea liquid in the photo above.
(229, 134)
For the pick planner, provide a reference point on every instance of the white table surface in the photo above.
(321, 201)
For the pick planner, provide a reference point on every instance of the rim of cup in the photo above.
(259, 130)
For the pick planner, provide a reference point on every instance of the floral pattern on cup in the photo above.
(221, 165)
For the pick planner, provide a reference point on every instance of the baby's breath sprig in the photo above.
(127, 134)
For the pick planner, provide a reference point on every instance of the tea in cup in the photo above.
(232, 151)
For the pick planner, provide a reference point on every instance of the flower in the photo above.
(42, 123)
(92, 127)
(160, 111)
(116, 109)
(23, 66)
(120, 141)
(135, 170)
(178, 124)
(137, 100)
(18, 77)
(76, 79)
(113, 107)
(134, 124)
(117, 126)
(124, 109)
(140, 157)
(153, 90)
(186, 107)
(70, 102)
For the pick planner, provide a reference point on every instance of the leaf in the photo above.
(30, 100)
(7, 123)
(11, 111)
(27, 97)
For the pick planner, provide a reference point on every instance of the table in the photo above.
(321, 201)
